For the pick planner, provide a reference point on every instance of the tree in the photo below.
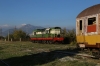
(72, 35)
(17, 34)
(64, 32)
(1, 37)
(69, 35)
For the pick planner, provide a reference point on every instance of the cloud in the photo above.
(23, 24)
(4, 25)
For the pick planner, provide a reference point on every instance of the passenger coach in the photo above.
(88, 27)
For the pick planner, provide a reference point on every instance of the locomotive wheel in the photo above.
(43, 42)
(50, 42)
(55, 42)
(46, 42)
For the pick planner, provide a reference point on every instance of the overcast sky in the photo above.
(60, 13)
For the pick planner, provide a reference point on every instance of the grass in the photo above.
(30, 54)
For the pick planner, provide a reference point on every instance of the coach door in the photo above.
(80, 31)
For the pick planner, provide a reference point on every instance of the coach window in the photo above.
(92, 21)
(80, 24)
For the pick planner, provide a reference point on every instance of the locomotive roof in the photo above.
(90, 11)
(41, 30)
(55, 28)
(38, 30)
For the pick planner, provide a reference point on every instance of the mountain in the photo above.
(7, 31)
(28, 28)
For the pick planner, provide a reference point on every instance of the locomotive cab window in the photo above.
(80, 24)
(47, 31)
(92, 21)
(34, 33)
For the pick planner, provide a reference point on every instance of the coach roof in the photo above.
(90, 11)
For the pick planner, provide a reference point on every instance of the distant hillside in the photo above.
(28, 28)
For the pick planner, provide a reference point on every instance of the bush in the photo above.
(18, 35)
(69, 35)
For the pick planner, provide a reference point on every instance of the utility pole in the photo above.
(8, 35)
(0, 31)
(15, 28)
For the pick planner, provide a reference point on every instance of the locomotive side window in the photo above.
(91, 21)
(80, 24)
(34, 33)
(46, 31)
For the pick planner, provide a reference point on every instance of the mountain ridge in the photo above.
(27, 28)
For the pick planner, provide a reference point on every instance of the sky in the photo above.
(46, 13)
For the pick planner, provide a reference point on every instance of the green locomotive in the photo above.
(47, 35)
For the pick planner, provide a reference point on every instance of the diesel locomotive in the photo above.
(47, 35)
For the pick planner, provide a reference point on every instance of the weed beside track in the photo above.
(29, 54)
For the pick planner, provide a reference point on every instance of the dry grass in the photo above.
(29, 54)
